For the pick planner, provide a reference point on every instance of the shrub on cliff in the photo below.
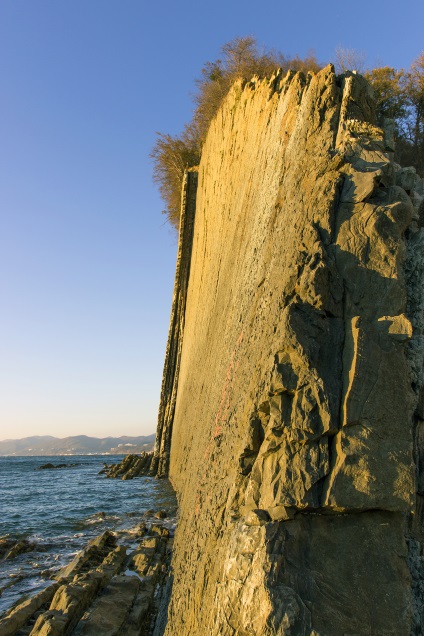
(399, 93)
(171, 157)
(240, 59)
(400, 96)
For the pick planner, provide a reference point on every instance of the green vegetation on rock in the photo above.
(399, 96)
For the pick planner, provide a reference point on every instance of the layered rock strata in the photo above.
(131, 466)
(160, 462)
(105, 591)
(294, 433)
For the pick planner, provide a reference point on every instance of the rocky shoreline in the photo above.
(123, 570)
(131, 466)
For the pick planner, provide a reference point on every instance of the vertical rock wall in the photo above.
(160, 460)
(298, 401)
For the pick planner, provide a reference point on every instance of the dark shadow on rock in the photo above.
(164, 600)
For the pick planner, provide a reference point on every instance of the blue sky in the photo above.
(86, 260)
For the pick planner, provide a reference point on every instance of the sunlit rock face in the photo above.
(297, 413)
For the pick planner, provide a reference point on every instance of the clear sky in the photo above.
(86, 260)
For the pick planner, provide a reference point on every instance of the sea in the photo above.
(60, 510)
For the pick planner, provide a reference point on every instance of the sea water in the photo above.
(61, 509)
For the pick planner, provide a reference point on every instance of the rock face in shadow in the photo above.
(295, 414)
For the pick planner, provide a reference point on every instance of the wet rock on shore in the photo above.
(131, 466)
(50, 466)
(108, 589)
(10, 548)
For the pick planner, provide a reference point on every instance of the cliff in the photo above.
(292, 413)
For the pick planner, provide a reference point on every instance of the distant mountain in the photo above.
(77, 445)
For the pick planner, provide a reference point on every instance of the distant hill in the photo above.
(77, 445)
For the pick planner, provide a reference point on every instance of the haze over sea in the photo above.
(61, 509)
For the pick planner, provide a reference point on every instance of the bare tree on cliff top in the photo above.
(240, 59)
(349, 60)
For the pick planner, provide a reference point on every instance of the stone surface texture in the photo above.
(294, 427)
(104, 591)
(131, 466)
(160, 462)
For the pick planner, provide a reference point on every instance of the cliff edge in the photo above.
(292, 413)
